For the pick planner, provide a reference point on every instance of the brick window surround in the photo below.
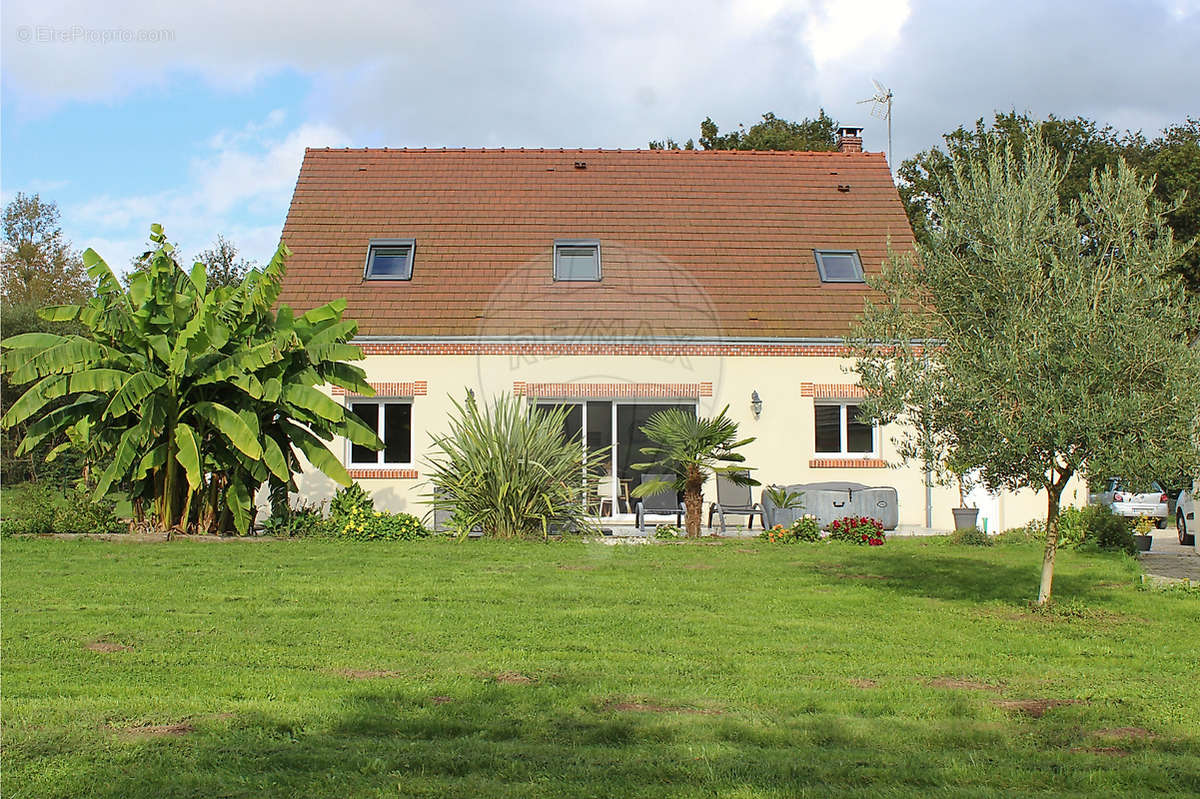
(369, 473)
(839, 391)
(602, 391)
(847, 463)
(416, 388)
(832, 390)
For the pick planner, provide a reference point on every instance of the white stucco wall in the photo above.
(784, 432)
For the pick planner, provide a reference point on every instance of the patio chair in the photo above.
(735, 500)
(665, 504)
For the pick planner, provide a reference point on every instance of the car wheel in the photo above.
(1161, 523)
(1185, 538)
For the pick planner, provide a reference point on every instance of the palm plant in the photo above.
(152, 383)
(693, 448)
(509, 471)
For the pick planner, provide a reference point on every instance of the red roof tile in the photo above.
(693, 243)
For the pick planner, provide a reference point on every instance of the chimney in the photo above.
(849, 139)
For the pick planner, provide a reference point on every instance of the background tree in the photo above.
(1082, 147)
(1174, 159)
(1058, 332)
(222, 264)
(772, 133)
(693, 448)
(40, 267)
(192, 397)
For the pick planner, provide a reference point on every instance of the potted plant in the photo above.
(965, 516)
(782, 499)
(1141, 533)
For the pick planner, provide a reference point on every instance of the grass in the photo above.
(482, 669)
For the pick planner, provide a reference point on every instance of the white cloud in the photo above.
(610, 73)
(859, 34)
(240, 187)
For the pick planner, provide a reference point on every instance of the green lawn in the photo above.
(480, 669)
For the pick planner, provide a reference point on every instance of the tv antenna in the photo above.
(882, 109)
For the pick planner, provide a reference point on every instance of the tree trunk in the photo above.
(692, 500)
(1054, 496)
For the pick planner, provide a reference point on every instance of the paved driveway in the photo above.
(1167, 559)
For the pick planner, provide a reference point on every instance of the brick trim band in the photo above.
(383, 474)
(656, 350)
(832, 390)
(847, 463)
(612, 390)
(417, 388)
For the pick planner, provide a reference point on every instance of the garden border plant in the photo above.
(806, 529)
(506, 469)
(861, 530)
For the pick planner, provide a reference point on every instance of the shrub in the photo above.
(1072, 526)
(1105, 530)
(363, 525)
(1033, 532)
(507, 470)
(82, 514)
(971, 537)
(398, 527)
(350, 499)
(10, 527)
(806, 529)
(861, 530)
(667, 532)
(29, 510)
(305, 521)
(776, 535)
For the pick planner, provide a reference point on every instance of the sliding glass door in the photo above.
(597, 424)
(630, 418)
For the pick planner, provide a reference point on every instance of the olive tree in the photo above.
(1035, 339)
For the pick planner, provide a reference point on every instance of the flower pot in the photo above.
(965, 518)
(1143, 542)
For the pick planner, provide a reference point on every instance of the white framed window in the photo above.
(840, 431)
(577, 259)
(391, 419)
(839, 266)
(389, 259)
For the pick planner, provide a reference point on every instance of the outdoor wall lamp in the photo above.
(755, 403)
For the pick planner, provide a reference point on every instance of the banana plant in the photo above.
(193, 397)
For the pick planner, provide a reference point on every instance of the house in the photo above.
(616, 282)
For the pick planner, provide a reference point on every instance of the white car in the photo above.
(1185, 516)
(1133, 506)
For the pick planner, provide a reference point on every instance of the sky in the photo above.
(197, 115)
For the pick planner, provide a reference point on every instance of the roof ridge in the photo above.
(589, 150)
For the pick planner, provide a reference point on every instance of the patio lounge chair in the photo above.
(735, 500)
(665, 504)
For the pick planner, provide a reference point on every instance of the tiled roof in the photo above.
(693, 243)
